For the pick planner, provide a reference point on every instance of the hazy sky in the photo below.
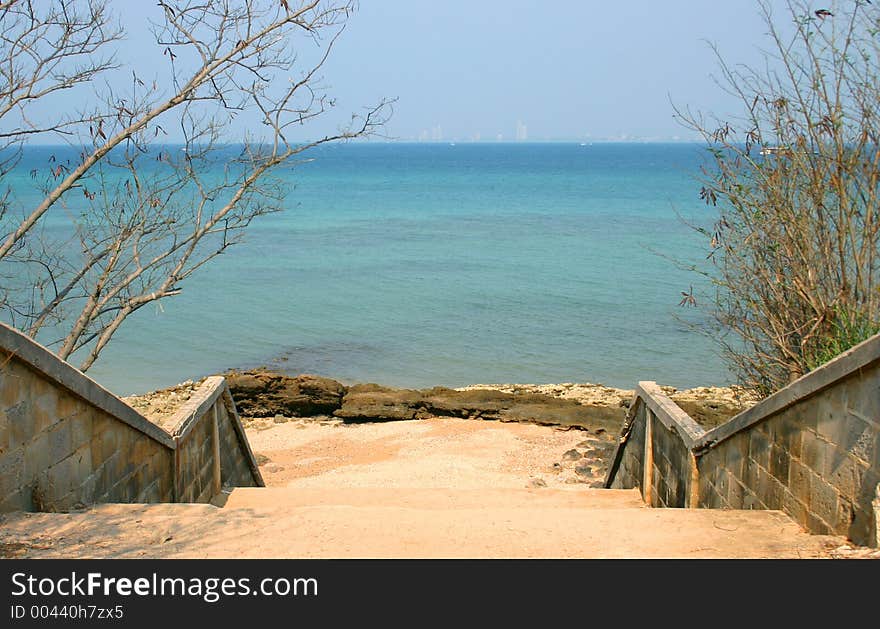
(567, 69)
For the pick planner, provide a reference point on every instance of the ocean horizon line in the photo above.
(410, 142)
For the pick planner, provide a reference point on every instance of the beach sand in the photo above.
(435, 452)
(444, 487)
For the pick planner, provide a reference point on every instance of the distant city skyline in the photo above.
(520, 133)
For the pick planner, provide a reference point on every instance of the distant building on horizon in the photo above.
(522, 131)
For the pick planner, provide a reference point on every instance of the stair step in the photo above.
(431, 498)
(154, 509)
(383, 531)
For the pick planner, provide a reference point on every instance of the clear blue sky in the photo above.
(567, 69)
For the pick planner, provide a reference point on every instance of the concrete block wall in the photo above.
(65, 441)
(811, 450)
(58, 451)
(208, 415)
(670, 467)
(630, 471)
(818, 460)
(659, 439)
(236, 460)
(195, 461)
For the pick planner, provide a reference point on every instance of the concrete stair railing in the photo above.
(811, 450)
(66, 442)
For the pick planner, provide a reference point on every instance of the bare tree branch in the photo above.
(795, 184)
(148, 218)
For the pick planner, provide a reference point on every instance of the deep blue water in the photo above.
(430, 264)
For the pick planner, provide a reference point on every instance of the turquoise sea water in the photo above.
(430, 264)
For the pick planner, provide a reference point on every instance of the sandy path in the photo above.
(439, 487)
(437, 452)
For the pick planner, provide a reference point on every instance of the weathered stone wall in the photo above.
(57, 450)
(65, 441)
(196, 450)
(630, 472)
(722, 475)
(661, 437)
(195, 461)
(235, 460)
(818, 460)
(670, 467)
(811, 450)
(205, 429)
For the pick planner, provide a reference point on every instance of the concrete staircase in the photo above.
(411, 522)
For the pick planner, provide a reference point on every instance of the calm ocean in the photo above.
(432, 264)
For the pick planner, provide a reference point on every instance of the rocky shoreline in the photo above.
(266, 400)
(261, 394)
(708, 406)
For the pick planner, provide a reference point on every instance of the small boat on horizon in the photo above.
(773, 150)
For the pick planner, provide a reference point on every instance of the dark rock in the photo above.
(708, 415)
(260, 393)
(267, 394)
(486, 402)
(583, 469)
(536, 483)
(248, 383)
(262, 459)
(571, 455)
(371, 403)
(370, 387)
(550, 411)
(607, 449)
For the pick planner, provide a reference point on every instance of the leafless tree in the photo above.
(794, 181)
(144, 217)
